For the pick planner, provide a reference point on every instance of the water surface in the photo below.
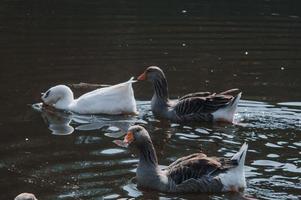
(201, 45)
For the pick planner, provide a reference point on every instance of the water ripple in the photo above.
(88, 165)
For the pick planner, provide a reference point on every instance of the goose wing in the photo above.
(232, 92)
(193, 166)
(116, 99)
(109, 90)
(196, 94)
(196, 107)
(197, 170)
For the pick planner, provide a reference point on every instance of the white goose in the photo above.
(114, 100)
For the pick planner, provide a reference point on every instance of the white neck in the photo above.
(64, 103)
(65, 100)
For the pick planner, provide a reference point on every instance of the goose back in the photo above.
(197, 173)
(116, 99)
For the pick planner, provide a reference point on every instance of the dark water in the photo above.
(201, 45)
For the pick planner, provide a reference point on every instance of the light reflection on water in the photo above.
(202, 45)
(89, 165)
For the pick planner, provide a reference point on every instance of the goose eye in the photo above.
(47, 94)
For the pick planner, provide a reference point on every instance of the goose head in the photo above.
(137, 136)
(156, 76)
(59, 96)
(152, 73)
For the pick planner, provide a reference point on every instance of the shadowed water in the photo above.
(201, 45)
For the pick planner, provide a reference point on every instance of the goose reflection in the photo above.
(58, 122)
(65, 123)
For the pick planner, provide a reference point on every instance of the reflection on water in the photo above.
(63, 123)
(265, 116)
(89, 164)
(202, 45)
(58, 122)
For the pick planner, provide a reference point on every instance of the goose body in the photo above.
(114, 100)
(193, 173)
(200, 106)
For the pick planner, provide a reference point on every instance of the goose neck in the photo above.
(64, 103)
(147, 155)
(160, 88)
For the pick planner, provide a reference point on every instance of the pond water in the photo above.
(201, 46)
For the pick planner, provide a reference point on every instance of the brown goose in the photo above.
(193, 173)
(200, 106)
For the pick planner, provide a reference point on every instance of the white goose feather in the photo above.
(114, 100)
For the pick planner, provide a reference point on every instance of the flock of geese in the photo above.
(193, 173)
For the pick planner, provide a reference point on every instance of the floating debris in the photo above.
(83, 85)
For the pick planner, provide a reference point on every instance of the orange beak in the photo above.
(142, 77)
(128, 138)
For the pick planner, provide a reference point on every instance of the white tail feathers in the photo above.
(131, 80)
(234, 103)
(234, 178)
(240, 156)
(231, 108)
(227, 113)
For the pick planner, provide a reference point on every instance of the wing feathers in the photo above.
(199, 106)
(197, 166)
